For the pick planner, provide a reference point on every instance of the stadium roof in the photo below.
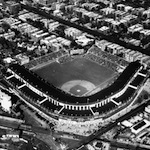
(64, 97)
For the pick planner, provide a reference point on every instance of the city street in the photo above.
(87, 30)
(108, 127)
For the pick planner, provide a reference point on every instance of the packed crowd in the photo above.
(44, 59)
(65, 59)
(84, 129)
(101, 61)
(115, 59)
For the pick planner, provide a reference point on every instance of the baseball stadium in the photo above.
(79, 76)
(81, 88)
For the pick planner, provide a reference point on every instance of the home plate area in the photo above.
(78, 87)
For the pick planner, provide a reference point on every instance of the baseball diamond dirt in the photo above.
(78, 76)
(78, 87)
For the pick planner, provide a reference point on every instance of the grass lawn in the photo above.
(78, 69)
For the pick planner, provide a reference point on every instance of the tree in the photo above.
(5, 26)
(17, 32)
(139, 100)
(2, 40)
(136, 35)
(144, 41)
(145, 96)
(123, 28)
(29, 146)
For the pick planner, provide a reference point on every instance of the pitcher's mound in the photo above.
(78, 87)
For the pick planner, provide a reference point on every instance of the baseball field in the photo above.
(77, 77)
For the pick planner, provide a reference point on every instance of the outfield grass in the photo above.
(78, 69)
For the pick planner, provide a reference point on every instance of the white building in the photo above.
(72, 32)
(83, 40)
(5, 101)
(22, 59)
(77, 51)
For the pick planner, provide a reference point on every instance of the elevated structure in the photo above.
(62, 104)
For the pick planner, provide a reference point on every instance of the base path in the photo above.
(78, 87)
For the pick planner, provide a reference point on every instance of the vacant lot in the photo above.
(78, 69)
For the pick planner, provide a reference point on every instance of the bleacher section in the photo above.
(105, 108)
(107, 56)
(15, 81)
(64, 97)
(76, 112)
(101, 61)
(143, 71)
(125, 96)
(50, 106)
(45, 58)
(8, 74)
(34, 96)
(65, 59)
(137, 81)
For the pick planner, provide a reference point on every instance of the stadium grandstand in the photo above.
(107, 56)
(50, 57)
(47, 97)
(52, 91)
